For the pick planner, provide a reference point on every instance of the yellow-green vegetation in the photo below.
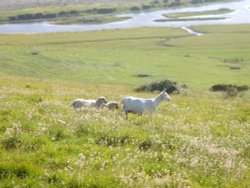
(116, 56)
(198, 139)
(198, 13)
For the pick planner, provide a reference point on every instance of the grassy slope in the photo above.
(199, 139)
(120, 54)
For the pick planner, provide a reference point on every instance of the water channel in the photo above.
(240, 15)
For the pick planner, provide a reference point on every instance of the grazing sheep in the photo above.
(111, 105)
(140, 105)
(79, 103)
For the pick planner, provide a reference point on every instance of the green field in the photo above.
(198, 139)
(119, 55)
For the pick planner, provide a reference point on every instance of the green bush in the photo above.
(169, 85)
(229, 89)
(135, 8)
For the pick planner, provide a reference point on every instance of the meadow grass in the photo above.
(195, 140)
(118, 55)
(198, 139)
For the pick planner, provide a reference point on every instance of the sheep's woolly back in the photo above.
(112, 105)
(79, 103)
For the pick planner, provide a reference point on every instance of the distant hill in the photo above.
(22, 4)
(17, 4)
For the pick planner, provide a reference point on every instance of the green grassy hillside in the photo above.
(116, 56)
(198, 139)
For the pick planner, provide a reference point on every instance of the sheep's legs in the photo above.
(126, 114)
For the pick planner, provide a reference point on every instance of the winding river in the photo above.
(239, 15)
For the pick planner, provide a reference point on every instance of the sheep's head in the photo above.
(100, 101)
(165, 95)
(114, 106)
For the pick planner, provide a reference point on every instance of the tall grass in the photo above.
(196, 140)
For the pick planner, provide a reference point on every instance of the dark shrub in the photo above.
(11, 18)
(135, 8)
(113, 140)
(242, 88)
(34, 53)
(62, 13)
(228, 87)
(170, 86)
(73, 12)
(11, 143)
(146, 7)
(21, 171)
(49, 15)
(38, 16)
(143, 75)
(145, 145)
(101, 10)
(24, 17)
(196, 1)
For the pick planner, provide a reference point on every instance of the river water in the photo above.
(239, 15)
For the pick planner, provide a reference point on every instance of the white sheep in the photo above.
(140, 105)
(111, 105)
(79, 103)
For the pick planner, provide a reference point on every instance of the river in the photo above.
(239, 15)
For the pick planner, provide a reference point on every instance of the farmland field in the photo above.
(198, 139)
(119, 55)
